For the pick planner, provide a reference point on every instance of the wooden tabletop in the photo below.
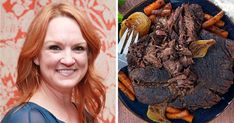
(126, 116)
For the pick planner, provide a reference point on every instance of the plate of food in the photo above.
(181, 68)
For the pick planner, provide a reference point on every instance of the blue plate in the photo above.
(200, 115)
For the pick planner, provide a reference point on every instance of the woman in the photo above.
(56, 77)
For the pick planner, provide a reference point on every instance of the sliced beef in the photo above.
(214, 73)
(201, 97)
(173, 19)
(149, 85)
(198, 15)
(182, 33)
(218, 61)
(189, 24)
(230, 47)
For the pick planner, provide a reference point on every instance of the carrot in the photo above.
(218, 31)
(220, 23)
(177, 115)
(153, 6)
(126, 81)
(127, 92)
(174, 113)
(165, 11)
(213, 20)
(188, 118)
(170, 109)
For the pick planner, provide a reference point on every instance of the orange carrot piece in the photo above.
(220, 23)
(177, 115)
(188, 118)
(170, 109)
(126, 81)
(126, 91)
(213, 20)
(153, 6)
(218, 31)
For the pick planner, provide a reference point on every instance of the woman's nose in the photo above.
(68, 59)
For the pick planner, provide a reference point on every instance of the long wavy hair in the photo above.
(89, 94)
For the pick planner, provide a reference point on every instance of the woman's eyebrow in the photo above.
(81, 43)
(61, 42)
(51, 41)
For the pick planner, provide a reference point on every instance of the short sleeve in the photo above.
(36, 116)
(21, 116)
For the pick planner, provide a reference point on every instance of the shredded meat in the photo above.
(162, 68)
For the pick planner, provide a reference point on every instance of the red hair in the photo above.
(89, 94)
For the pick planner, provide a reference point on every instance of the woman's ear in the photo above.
(36, 61)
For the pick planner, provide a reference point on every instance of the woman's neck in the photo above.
(52, 95)
(55, 101)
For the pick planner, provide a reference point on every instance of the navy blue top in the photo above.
(30, 112)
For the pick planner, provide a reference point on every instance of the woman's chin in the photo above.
(67, 84)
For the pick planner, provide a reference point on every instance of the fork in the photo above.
(125, 41)
(123, 44)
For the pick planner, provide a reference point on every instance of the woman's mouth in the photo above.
(66, 72)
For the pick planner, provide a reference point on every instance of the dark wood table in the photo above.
(126, 116)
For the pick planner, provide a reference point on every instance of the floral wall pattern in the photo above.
(16, 15)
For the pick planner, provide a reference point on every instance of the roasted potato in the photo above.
(137, 21)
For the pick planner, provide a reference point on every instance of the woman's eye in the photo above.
(54, 47)
(79, 48)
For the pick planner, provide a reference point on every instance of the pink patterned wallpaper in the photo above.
(15, 17)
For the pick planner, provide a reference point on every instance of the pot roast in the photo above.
(162, 68)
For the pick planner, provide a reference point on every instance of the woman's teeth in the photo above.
(66, 72)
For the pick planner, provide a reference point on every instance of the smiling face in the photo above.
(63, 59)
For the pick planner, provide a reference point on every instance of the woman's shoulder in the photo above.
(29, 113)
